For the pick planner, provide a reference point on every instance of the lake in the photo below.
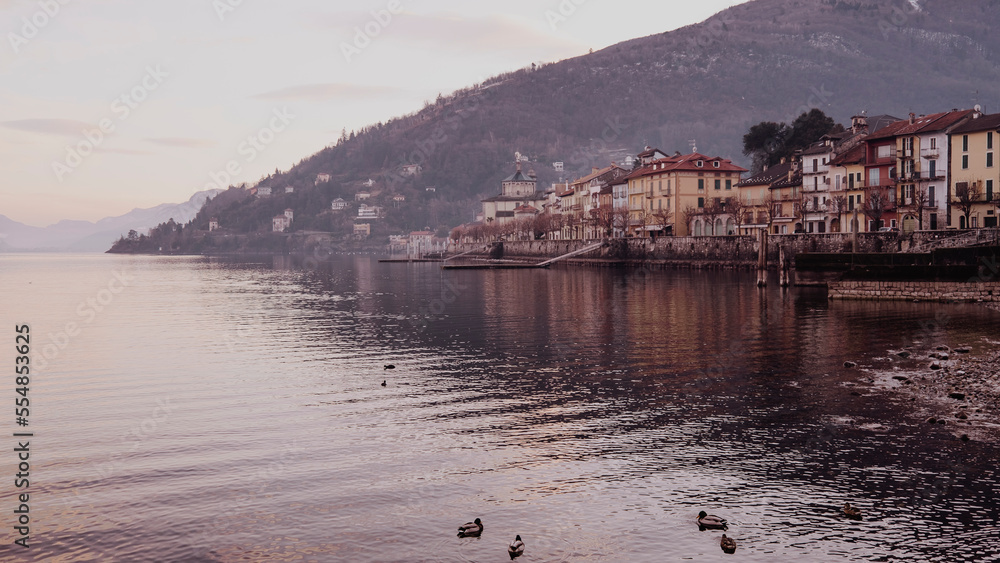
(203, 409)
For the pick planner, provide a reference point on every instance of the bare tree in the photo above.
(919, 204)
(875, 206)
(739, 209)
(689, 214)
(966, 196)
(662, 217)
(622, 216)
(641, 220)
(604, 220)
(772, 208)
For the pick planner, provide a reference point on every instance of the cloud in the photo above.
(181, 142)
(326, 92)
(62, 127)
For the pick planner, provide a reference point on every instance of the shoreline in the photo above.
(957, 388)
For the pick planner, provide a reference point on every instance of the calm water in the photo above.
(232, 411)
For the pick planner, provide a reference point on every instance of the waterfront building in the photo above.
(669, 196)
(515, 190)
(975, 173)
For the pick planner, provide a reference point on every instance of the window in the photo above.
(699, 164)
(933, 142)
(989, 139)
(965, 143)
(701, 185)
(718, 184)
(701, 202)
(931, 202)
(975, 223)
(933, 165)
(965, 162)
(815, 184)
(989, 190)
(715, 164)
(883, 152)
(873, 177)
(850, 203)
(815, 165)
(850, 181)
(989, 160)
(838, 182)
(729, 184)
(934, 221)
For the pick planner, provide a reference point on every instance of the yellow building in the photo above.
(972, 197)
(667, 194)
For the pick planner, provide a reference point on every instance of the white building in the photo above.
(339, 204)
(322, 179)
(213, 224)
(281, 223)
(369, 212)
(263, 191)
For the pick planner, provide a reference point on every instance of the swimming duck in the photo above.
(388, 366)
(727, 544)
(709, 522)
(852, 512)
(516, 548)
(470, 529)
(383, 383)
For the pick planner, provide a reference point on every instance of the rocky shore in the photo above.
(955, 387)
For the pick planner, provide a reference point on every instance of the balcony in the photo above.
(930, 153)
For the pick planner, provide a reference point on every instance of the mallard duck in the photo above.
(852, 512)
(470, 529)
(709, 522)
(516, 548)
(727, 544)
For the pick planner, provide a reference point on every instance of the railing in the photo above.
(930, 153)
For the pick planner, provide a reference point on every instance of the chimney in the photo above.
(913, 117)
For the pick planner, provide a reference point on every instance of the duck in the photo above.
(852, 512)
(727, 544)
(388, 366)
(471, 529)
(383, 383)
(709, 522)
(516, 548)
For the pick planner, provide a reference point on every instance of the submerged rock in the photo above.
(850, 365)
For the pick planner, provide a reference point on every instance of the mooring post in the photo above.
(784, 265)
(762, 258)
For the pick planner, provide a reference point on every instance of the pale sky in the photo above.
(109, 105)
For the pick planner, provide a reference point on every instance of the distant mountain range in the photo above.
(84, 236)
(703, 85)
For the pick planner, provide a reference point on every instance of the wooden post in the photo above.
(762, 258)
(784, 265)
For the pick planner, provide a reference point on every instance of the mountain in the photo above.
(704, 84)
(84, 236)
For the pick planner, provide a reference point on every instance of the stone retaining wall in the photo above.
(915, 290)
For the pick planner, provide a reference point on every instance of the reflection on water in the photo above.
(226, 411)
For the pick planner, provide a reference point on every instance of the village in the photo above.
(929, 172)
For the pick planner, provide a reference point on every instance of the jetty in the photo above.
(512, 265)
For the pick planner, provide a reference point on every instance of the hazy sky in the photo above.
(108, 105)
